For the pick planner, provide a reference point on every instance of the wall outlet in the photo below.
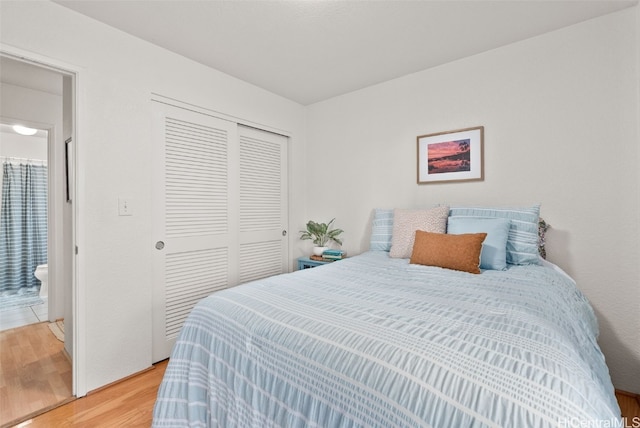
(124, 206)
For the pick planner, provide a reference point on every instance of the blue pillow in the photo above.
(522, 243)
(494, 247)
(381, 230)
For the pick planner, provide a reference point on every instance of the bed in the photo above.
(379, 341)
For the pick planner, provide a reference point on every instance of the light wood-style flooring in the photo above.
(630, 408)
(35, 372)
(130, 404)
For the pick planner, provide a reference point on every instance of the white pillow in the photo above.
(406, 222)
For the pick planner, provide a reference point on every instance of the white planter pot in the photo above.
(317, 251)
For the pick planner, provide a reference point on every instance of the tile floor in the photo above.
(18, 317)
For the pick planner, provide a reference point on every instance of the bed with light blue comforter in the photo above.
(371, 341)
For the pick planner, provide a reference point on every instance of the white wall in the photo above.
(68, 238)
(561, 118)
(118, 75)
(23, 146)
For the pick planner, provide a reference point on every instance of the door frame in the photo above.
(79, 363)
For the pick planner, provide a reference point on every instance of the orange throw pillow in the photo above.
(458, 252)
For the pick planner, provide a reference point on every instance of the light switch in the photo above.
(124, 206)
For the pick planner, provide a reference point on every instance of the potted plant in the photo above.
(321, 234)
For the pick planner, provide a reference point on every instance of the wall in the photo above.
(561, 115)
(118, 74)
(23, 146)
(68, 241)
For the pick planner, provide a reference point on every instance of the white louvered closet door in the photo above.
(219, 212)
(191, 215)
(263, 204)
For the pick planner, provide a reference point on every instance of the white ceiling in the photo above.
(312, 50)
(6, 132)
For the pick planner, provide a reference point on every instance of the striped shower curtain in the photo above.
(23, 226)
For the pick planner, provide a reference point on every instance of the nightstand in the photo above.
(306, 263)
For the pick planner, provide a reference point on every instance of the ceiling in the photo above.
(312, 50)
(7, 129)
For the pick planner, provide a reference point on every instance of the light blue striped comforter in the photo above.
(376, 342)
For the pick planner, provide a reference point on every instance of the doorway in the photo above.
(43, 98)
(23, 225)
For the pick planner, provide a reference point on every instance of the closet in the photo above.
(219, 211)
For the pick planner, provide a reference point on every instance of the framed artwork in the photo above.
(451, 156)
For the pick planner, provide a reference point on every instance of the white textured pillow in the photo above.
(405, 224)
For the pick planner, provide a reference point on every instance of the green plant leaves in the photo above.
(321, 233)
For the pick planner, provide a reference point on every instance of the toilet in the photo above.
(42, 273)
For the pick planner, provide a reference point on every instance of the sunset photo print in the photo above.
(450, 156)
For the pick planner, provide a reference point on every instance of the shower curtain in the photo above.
(23, 226)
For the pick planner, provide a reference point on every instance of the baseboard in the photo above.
(120, 380)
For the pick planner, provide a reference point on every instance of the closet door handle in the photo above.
(159, 245)
(284, 233)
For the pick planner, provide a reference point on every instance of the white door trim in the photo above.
(79, 363)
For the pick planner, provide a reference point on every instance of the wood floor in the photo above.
(130, 404)
(35, 373)
(630, 408)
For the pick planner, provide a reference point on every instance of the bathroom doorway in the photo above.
(23, 225)
(42, 97)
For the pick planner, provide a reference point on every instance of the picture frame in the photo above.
(451, 156)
